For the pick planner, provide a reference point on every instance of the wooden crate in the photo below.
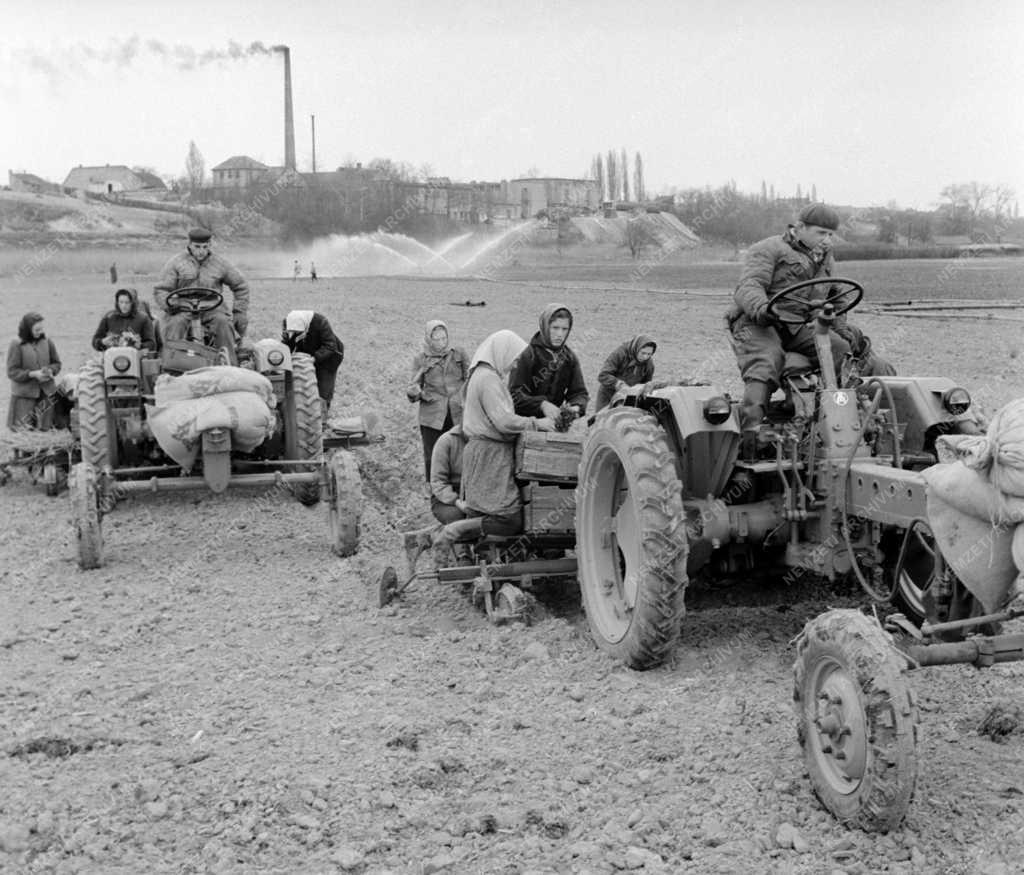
(549, 509)
(548, 456)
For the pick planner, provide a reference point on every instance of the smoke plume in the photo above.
(77, 59)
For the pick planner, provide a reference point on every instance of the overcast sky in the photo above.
(869, 101)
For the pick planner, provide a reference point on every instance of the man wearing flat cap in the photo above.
(760, 342)
(198, 266)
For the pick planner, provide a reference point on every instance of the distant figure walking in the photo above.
(312, 272)
(113, 273)
(296, 271)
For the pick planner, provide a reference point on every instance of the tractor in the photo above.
(837, 488)
(122, 454)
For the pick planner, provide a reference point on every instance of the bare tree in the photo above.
(638, 178)
(598, 174)
(814, 192)
(611, 168)
(195, 167)
(624, 171)
(639, 233)
(1001, 197)
(613, 176)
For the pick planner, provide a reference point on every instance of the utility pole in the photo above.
(312, 124)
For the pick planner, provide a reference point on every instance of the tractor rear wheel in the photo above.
(86, 515)
(304, 434)
(631, 538)
(856, 720)
(345, 505)
(94, 430)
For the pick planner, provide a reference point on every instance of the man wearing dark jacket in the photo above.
(125, 325)
(311, 333)
(548, 374)
(761, 342)
(198, 267)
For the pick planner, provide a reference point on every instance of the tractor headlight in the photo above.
(717, 410)
(121, 363)
(957, 401)
(275, 357)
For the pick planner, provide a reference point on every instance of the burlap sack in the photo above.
(203, 382)
(178, 427)
(1006, 444)
(975, 528)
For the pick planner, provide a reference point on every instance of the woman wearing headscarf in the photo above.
(311, 333)
(126, 325)
(490, 424)
(548, 373)
(32, 363)
(628, 365)
(439, 372)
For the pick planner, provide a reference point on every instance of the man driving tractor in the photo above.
(761, 339)
(199, 267)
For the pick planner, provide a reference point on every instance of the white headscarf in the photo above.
(298, 320)
(500, 351)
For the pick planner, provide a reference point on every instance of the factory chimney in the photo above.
(289, 123)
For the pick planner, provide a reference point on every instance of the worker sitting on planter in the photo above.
(547, 380)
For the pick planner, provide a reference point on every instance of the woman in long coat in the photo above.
(629, 364)
(438, 374)
(32, 363)
(490, 424)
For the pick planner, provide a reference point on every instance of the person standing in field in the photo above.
(439, 371)
(629, 364)
(312, 272)
(198, 267)
(296, 271)
(32, 363)
(311, 333)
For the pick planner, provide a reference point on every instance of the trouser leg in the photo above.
(223, 333)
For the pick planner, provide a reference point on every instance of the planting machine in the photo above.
(836, 490)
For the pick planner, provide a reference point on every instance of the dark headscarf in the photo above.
(549, 314)
(133, 296)
(25, 327)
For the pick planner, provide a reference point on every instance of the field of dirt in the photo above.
(225, 696)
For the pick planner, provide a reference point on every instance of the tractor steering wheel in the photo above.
(786, 295)
(194, 300)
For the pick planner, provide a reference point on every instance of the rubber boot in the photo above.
(755, 398)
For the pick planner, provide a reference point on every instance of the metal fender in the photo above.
(705, 450)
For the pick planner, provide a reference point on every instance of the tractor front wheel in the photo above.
(631, 538)
(86, 515)
(856, 720)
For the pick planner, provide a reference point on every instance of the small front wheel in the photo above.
(856, 720)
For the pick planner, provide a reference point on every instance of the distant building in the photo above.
(239, 171)
(29, 182)
(111, 179)
(542, 193)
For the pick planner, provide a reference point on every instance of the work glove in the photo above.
(241, 323)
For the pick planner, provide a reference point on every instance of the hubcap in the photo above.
(838, 738)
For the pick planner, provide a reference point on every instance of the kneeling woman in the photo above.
(490, 424)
